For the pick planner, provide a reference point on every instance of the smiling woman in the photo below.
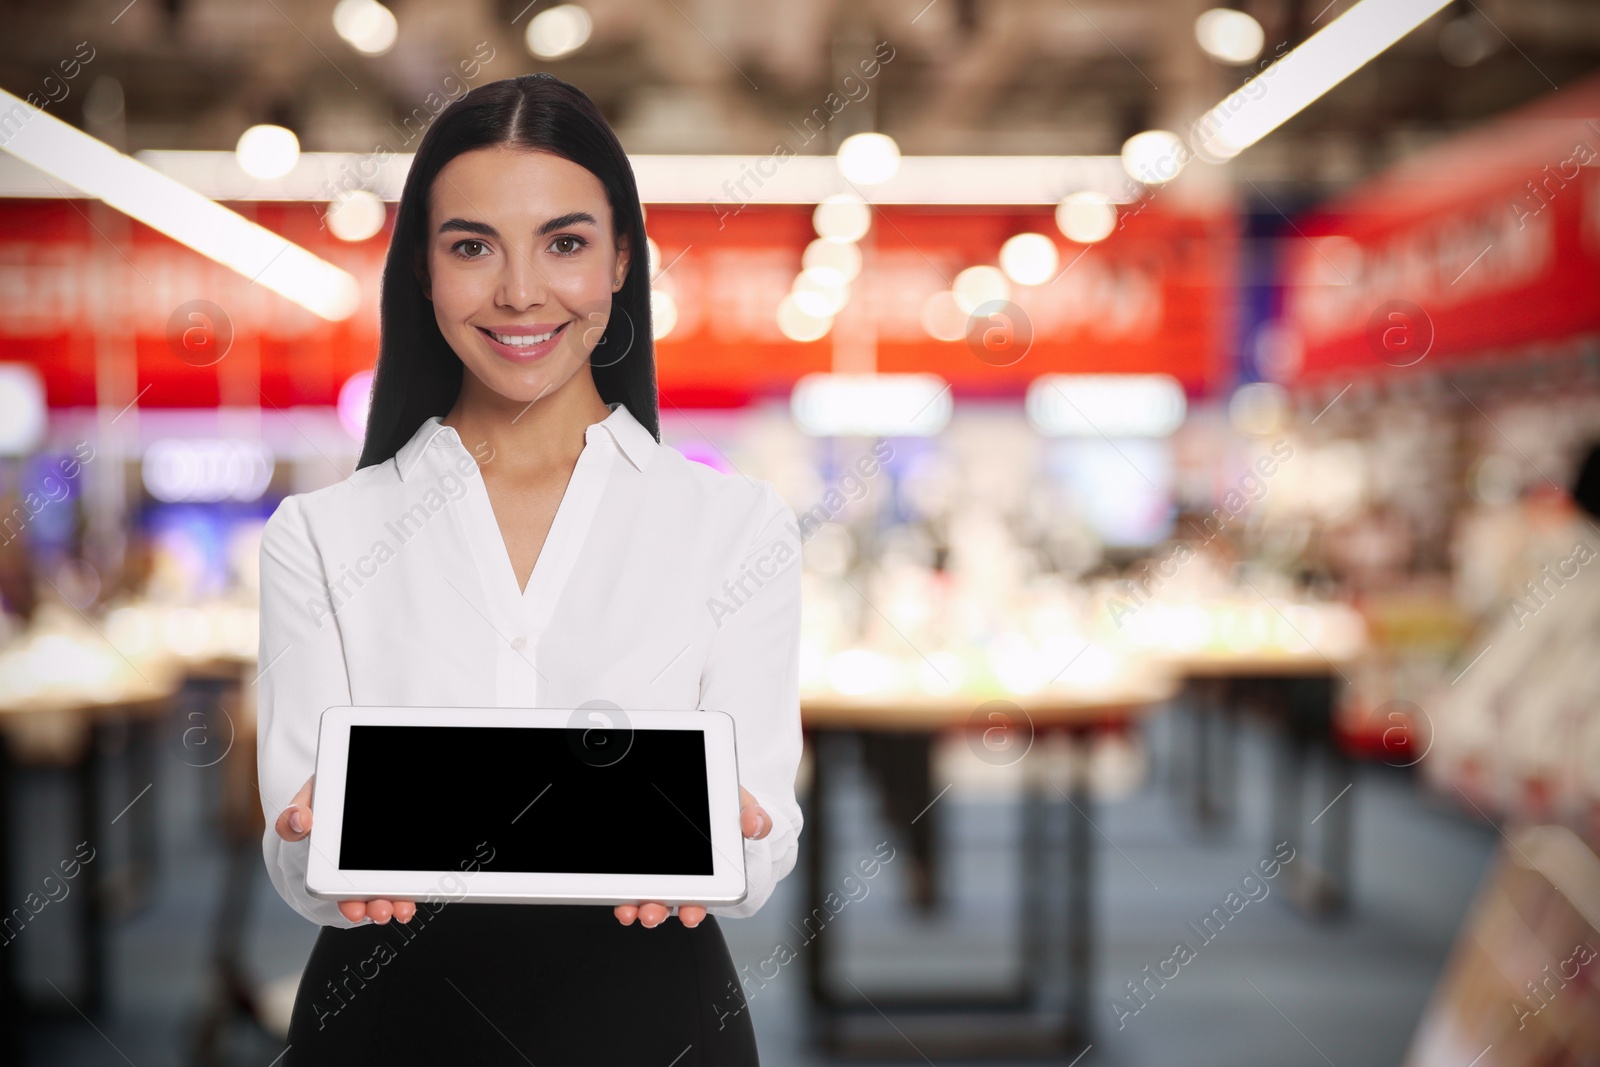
(522, 161)
(572, 567)
(559, 269)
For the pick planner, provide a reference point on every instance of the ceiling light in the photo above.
(1288, 86)
(1229, 36)
(1029, 258)
(842, 217)
(267, 151)
(356, 215)
(869, 158)
(943, 318)
(798, 324)
(832, 262)
(366, 25)
(1086, 217)
(978, 285)
(67, 154)
(818, 299)
(558, 32)
(1154, 156)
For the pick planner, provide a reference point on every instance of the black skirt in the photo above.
(520, 984)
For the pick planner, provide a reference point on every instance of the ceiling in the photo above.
(986, 77)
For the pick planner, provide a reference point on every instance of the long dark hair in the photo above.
(418, 374)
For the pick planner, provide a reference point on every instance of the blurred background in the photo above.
(1190, 412)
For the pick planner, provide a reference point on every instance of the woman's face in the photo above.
(521, 243)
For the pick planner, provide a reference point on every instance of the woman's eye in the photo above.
(577, 244)
(462, 244)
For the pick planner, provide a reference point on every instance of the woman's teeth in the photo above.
(522, 340)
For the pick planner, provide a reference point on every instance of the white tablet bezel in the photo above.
(325, 880)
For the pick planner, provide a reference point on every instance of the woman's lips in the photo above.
(525, 353)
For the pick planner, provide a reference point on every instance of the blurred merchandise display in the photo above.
(1520, 988)
(1520, 732)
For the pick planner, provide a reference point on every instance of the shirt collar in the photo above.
(632, 439)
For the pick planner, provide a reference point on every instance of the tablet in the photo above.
(588, 805)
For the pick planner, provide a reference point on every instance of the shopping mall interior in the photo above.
(1190, 416)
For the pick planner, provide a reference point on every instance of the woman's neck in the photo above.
(524, 438)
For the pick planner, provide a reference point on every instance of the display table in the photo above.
(232, 995)
(137, 711)
(1298, 692)
(1016, 1020)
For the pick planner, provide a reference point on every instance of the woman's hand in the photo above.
(294, 823)
(756, 824)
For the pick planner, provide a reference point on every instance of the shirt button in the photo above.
(518, 643)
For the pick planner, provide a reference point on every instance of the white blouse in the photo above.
(663, 584)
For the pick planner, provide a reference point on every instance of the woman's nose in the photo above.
(523, 283)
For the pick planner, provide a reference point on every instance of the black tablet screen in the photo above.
(436, 798)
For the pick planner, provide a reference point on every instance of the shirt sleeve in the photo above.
(301, 672)
(753, 674)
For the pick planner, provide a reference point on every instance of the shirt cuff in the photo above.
(767, 861)
(286, 865)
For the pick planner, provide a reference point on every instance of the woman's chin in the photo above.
(525, 386)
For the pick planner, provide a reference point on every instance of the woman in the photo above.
(515, 536)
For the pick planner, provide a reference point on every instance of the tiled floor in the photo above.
(1274, 989)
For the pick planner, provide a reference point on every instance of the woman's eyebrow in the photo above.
(571, 218)
(483, 229)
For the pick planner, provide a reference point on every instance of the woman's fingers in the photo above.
(651, 914)
(378, 910)
(754, 821)
(294, 822)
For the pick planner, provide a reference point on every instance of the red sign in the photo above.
(1488, 242)
(77, 279)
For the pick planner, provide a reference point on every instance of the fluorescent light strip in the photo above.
(871, 405)
(713, 181)
(1109, 405)
(188, 217)
(1284, 89)
(728, 181)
